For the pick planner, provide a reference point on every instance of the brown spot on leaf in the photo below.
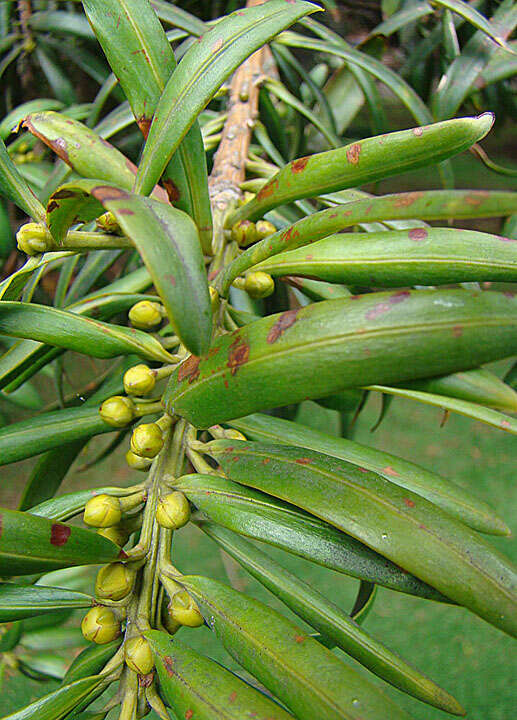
(409, 503)
(189, 714)
(59, 534)
(53, 205)
(399, 296)
(105, 193)
(213, 274)
(268, 190)
(353, 152)
(299, 638)
(505, 423)
(146, 681)
(476, 197)
(233, 697)
(63, 194)
(189, 369)
(217, 45)
(418, 131)
(125, 211)
(168, 664)
(406, 199)
(172, 189)
(383, 307)
(299, 165)
(418, 234)
(144, 123)
(266, 461)
(284, 322)
(303, 461)
(170, 279)
(388, 470)
(239, 352)
(507, 239)
(457, 331)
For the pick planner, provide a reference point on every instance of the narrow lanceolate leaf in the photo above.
(459, 503)
(474, 17)
(458, 81)
(197, 687)
(167, 240)
(22, 601)
(477, 386)
(430, 205)
(365, 161)
(73, 332)
(67, 506)
(84, 150)
(32, 544)
(378, 338)
(201, 72)
(395, 522)
(397, 258)
(331, 621)
(262, 517)
(303, 674)
(57, 704)
(141, 57)
(48, 431)
(91, 661)
(485, 415)
(13, 186)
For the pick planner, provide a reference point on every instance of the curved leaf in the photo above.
(90, 661)
(259, 516)
(459, 503)
(22, 601)
(32, 544)
(67, 506)
(334, 624)
(365, 161)
(303, 674)
(430, 205)
(316, 350)
(398, 524)
(201, 72)
(57, 704)
(198, 687)
(167, 240)
(13, 186)
(69, 330)
(397, 258)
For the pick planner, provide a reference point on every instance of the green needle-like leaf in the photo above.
(71, 331)
(397, 258)
(57, 704)
(262, 517)
(430, 205)
(195, 686)
(331, 621)
(459, 503)
(22, 601)
(378, 338)
(398, 524)
(365, 161)
(201, 72)
(32, 544)
(303, 674)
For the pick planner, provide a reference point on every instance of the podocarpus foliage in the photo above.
(243, 296)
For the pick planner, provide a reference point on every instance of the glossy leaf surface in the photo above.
(32, 544)
(57, 704)
(194, 684)
(398, 524)
(303, 674)
(22, 601)
(317, 350)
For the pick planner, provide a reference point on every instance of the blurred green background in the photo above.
(466, 656)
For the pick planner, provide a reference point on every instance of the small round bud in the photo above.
(264, 228)
(108, 223)
(147, 440)
(136, 462)
(139, 380)
(34, 239)
(102, 511)
(146, 315)
(259, 284)
(116, 534)
(117, 411)
(171, 625)
(138, 655)
(244, 233)
(173, 511)
(114, 581)
(184, 610)
(100, 626)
